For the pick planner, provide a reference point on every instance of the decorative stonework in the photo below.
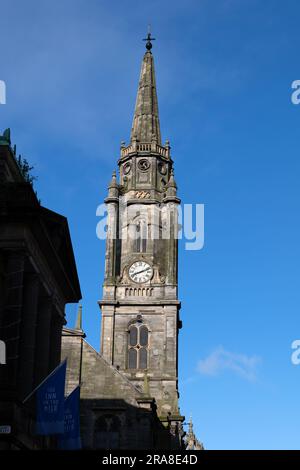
(142, 194)
(143, 164)
(162, 168)
(138, 291)
(158, 278)
(127, 168)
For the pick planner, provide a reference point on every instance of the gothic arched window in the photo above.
(138, 341)
(141, 237)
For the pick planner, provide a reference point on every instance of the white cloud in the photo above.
(221, 360)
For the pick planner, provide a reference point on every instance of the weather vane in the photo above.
(149, 39)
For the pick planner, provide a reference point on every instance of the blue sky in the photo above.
(224, 72)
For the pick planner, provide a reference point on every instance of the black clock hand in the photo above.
(145, 269)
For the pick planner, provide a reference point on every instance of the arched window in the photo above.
(107, 432)
(138, 341)
(141, 237)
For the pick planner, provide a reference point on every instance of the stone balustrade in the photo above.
(140, 147)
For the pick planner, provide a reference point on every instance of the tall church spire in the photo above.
(145, 126)
(140, 305)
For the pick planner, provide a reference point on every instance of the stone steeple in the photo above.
(134, 379)
(140, 305)
(145, 125)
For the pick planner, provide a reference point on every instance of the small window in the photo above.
(141, 237)
(138, 238)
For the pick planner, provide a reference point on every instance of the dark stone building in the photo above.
(38, 276)
(129, 392)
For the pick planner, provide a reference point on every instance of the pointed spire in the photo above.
(113, 188)
(113, 183)
(172, 182)
(78, 325)
(145, 126)
(171, 186)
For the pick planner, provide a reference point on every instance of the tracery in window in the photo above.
(138, 341)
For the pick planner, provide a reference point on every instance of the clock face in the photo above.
(140, 271)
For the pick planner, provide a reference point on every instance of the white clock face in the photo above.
(140, 271)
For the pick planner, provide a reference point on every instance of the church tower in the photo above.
(140, 306)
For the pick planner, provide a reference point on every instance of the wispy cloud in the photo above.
(221, 360)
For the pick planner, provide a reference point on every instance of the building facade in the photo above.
(38, 277)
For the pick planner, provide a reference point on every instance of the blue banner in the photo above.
(50, 398)
(71, 438)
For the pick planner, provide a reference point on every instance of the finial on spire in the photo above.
(149, 39)
(113, 187)
(113, 182)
